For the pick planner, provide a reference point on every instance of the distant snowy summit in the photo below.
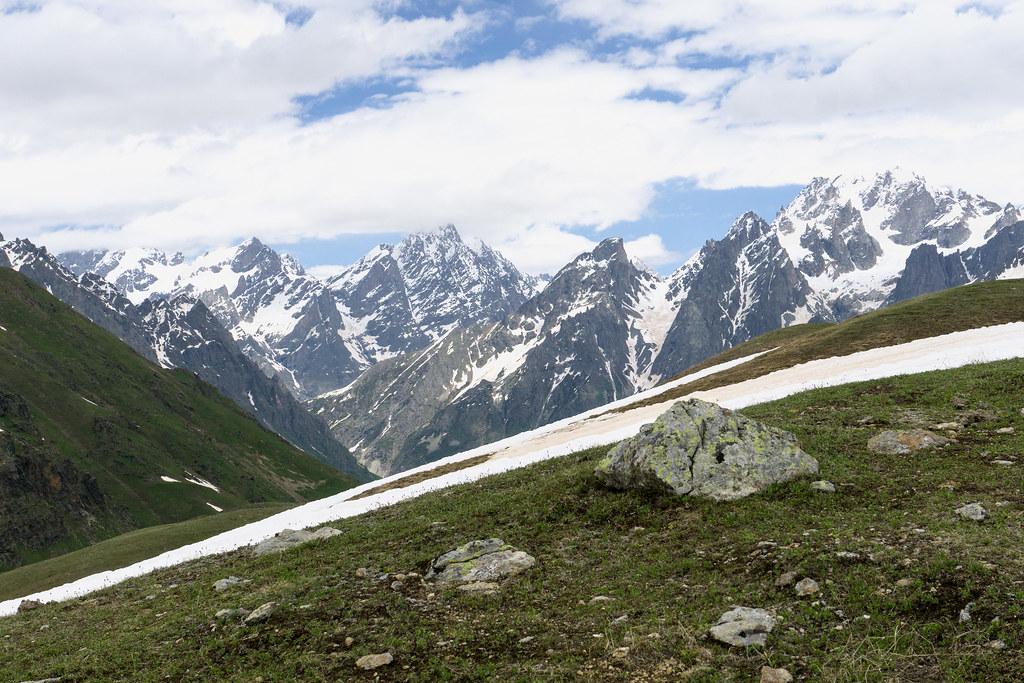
(318, 335)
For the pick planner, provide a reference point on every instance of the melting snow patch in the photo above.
(193, 479)
(170, 479)
(88, 401)
(215, 507)
(3, 328)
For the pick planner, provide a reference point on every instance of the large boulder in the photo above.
(479, 561)
(289, 538)
(701, 449)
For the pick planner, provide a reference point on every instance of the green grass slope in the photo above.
(896, 566)
(90, 427)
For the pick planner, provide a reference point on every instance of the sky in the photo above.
(539, 126)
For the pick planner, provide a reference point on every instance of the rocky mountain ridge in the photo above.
(184, 334)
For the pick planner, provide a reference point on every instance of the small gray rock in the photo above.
(903, 441)
(479, 587)
(370, 662)
(227, 583)
(786, 579)
(770, 675)
(824, 486)
(486, 560)
(232, 613)
(965, 613)
(973, 511)
(743, 626)
(807, 587)
(261, 613)
(1005, 430)
(996, 645)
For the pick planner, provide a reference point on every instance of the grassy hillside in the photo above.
(895, 564)
(952, 310)
(91, 429)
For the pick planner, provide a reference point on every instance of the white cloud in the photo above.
(170, 124)
(652, 251)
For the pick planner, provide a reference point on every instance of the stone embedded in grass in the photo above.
(370, 662)
(743, 627)
(824, 486)
(29, 605)
(232, 613)
(770, 675)
(903, 441)
(486, 560)
(807, 587)
(701, 449)
(1005, 430)
(973, 511)
(261, 613)
(289, 538)
(786, 579)
(227, 583)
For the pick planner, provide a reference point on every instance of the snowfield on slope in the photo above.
(593, 428)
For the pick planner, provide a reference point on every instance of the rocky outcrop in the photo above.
(701, 449)
(482, 561)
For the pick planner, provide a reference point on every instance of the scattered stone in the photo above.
(786, 579)
(479, 561)
(1005, 430)
(973, 511)
(701, 449)
(1004, 463)
(362, 572)
(951, 485)
(959, 402)
(866, 420)
(232, 613)
(620, 620)
(289, 538)
(996, 645)
(767, 544)
(227, 583)
(261, 613)
(620, 652)
(525, 639)
(479, 587)
(349, 641)
(46, 680)
(965, 613)
(370, 662)
(947, 426)
(743, 626)
(847, 555)
(29, 605)
(824, 486)
(975, 416)
(770, 675)
(599, 598)
(807, 587)
(396, 585)
(903, 583)
(902, 441)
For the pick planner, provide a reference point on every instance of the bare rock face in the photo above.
(901, 442)
(701, 449)
(476, 562)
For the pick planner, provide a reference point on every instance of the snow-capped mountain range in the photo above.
(319, 335)
(452, 346)
(605, 327)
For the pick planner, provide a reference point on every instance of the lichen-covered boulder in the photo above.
(701, 449)
(487, 560)
(289, 538)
